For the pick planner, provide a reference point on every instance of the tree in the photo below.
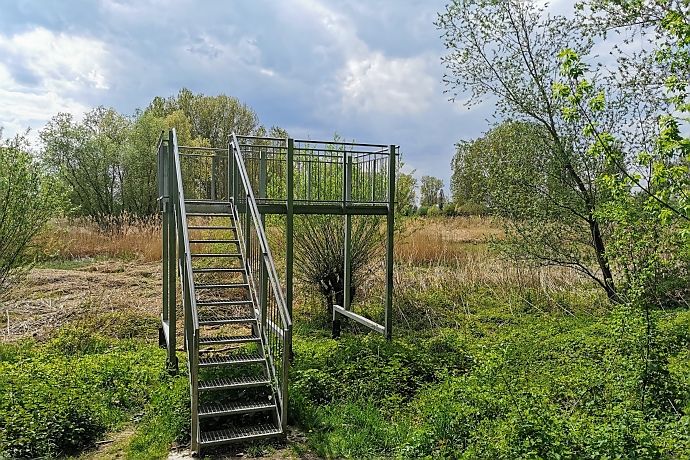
(405, 193)
(87, 156)
(508, 51)
(468, 182)
(213, 118)
(431, 190)
(28, 199)
(320, 253)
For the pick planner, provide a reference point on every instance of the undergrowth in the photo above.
(57, 398)
(540, 386)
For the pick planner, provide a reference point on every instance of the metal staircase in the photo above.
(236, 330)
(236, 310)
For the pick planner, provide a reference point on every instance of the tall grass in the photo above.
(82, 239)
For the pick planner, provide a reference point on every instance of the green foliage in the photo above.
(108, 160)
(422, 211)
(58, 398)
(546, 386)
(434, 211)
(167, 419)
(213, 118)
(28, 199)
(405, 193)
(431, 191)
(537, 173)
(320, 254)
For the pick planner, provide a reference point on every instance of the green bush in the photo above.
(422, 211)
(59, 397)
(470, 209)
(538, 386)
(434, 211)
(29, 199)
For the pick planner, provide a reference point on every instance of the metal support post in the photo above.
(231, 163)
(172, 270)
(289, 226)
(347, 285)
(390, 221)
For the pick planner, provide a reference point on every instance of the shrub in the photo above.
(434, 211)
(422, 211)
(470, 209)
(29, 199)
(319, 253)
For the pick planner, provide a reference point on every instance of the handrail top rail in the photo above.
(263, 241)
(313, 141)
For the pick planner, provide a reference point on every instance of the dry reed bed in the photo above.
(83, 240)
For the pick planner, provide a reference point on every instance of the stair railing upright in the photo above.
(191, 318)
(275, 320)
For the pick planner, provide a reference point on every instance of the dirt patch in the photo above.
(49, 298)
(254, 451)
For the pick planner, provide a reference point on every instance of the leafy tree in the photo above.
(87, 156)
(405, 193)
(28, 199)
(508, 51)
(649, 178)
(431, 191)
(213, 118)
(469, 179)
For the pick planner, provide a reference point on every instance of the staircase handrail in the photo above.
(263, 240)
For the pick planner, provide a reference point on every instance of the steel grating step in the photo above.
(234, 241)
(220, 409)
(230, 359)
(218, 320)
(234, 383)
(218, 270)
(227, 339)
(239, 256)
(221, 286)
(222, 303)
(211, 227)
(240, 434)
(209, 214)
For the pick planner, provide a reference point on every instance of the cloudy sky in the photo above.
(368, 70)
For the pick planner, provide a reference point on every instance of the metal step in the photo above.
(216, 321)
(209, 214)
(202, 201)
(215, 241)
(221, 303)
(221, 286)
(220, 409)
(211, 227)
(234, 383)
(240, 434)
(226, 360)
(218, 270)
(238, 256)
(228, 339)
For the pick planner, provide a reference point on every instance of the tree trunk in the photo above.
(603, 261)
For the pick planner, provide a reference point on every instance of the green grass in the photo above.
(504, 385)
(524, 375)
(59, 397)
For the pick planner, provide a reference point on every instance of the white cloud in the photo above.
(369, 80)
(376, 83)
(42, 73)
